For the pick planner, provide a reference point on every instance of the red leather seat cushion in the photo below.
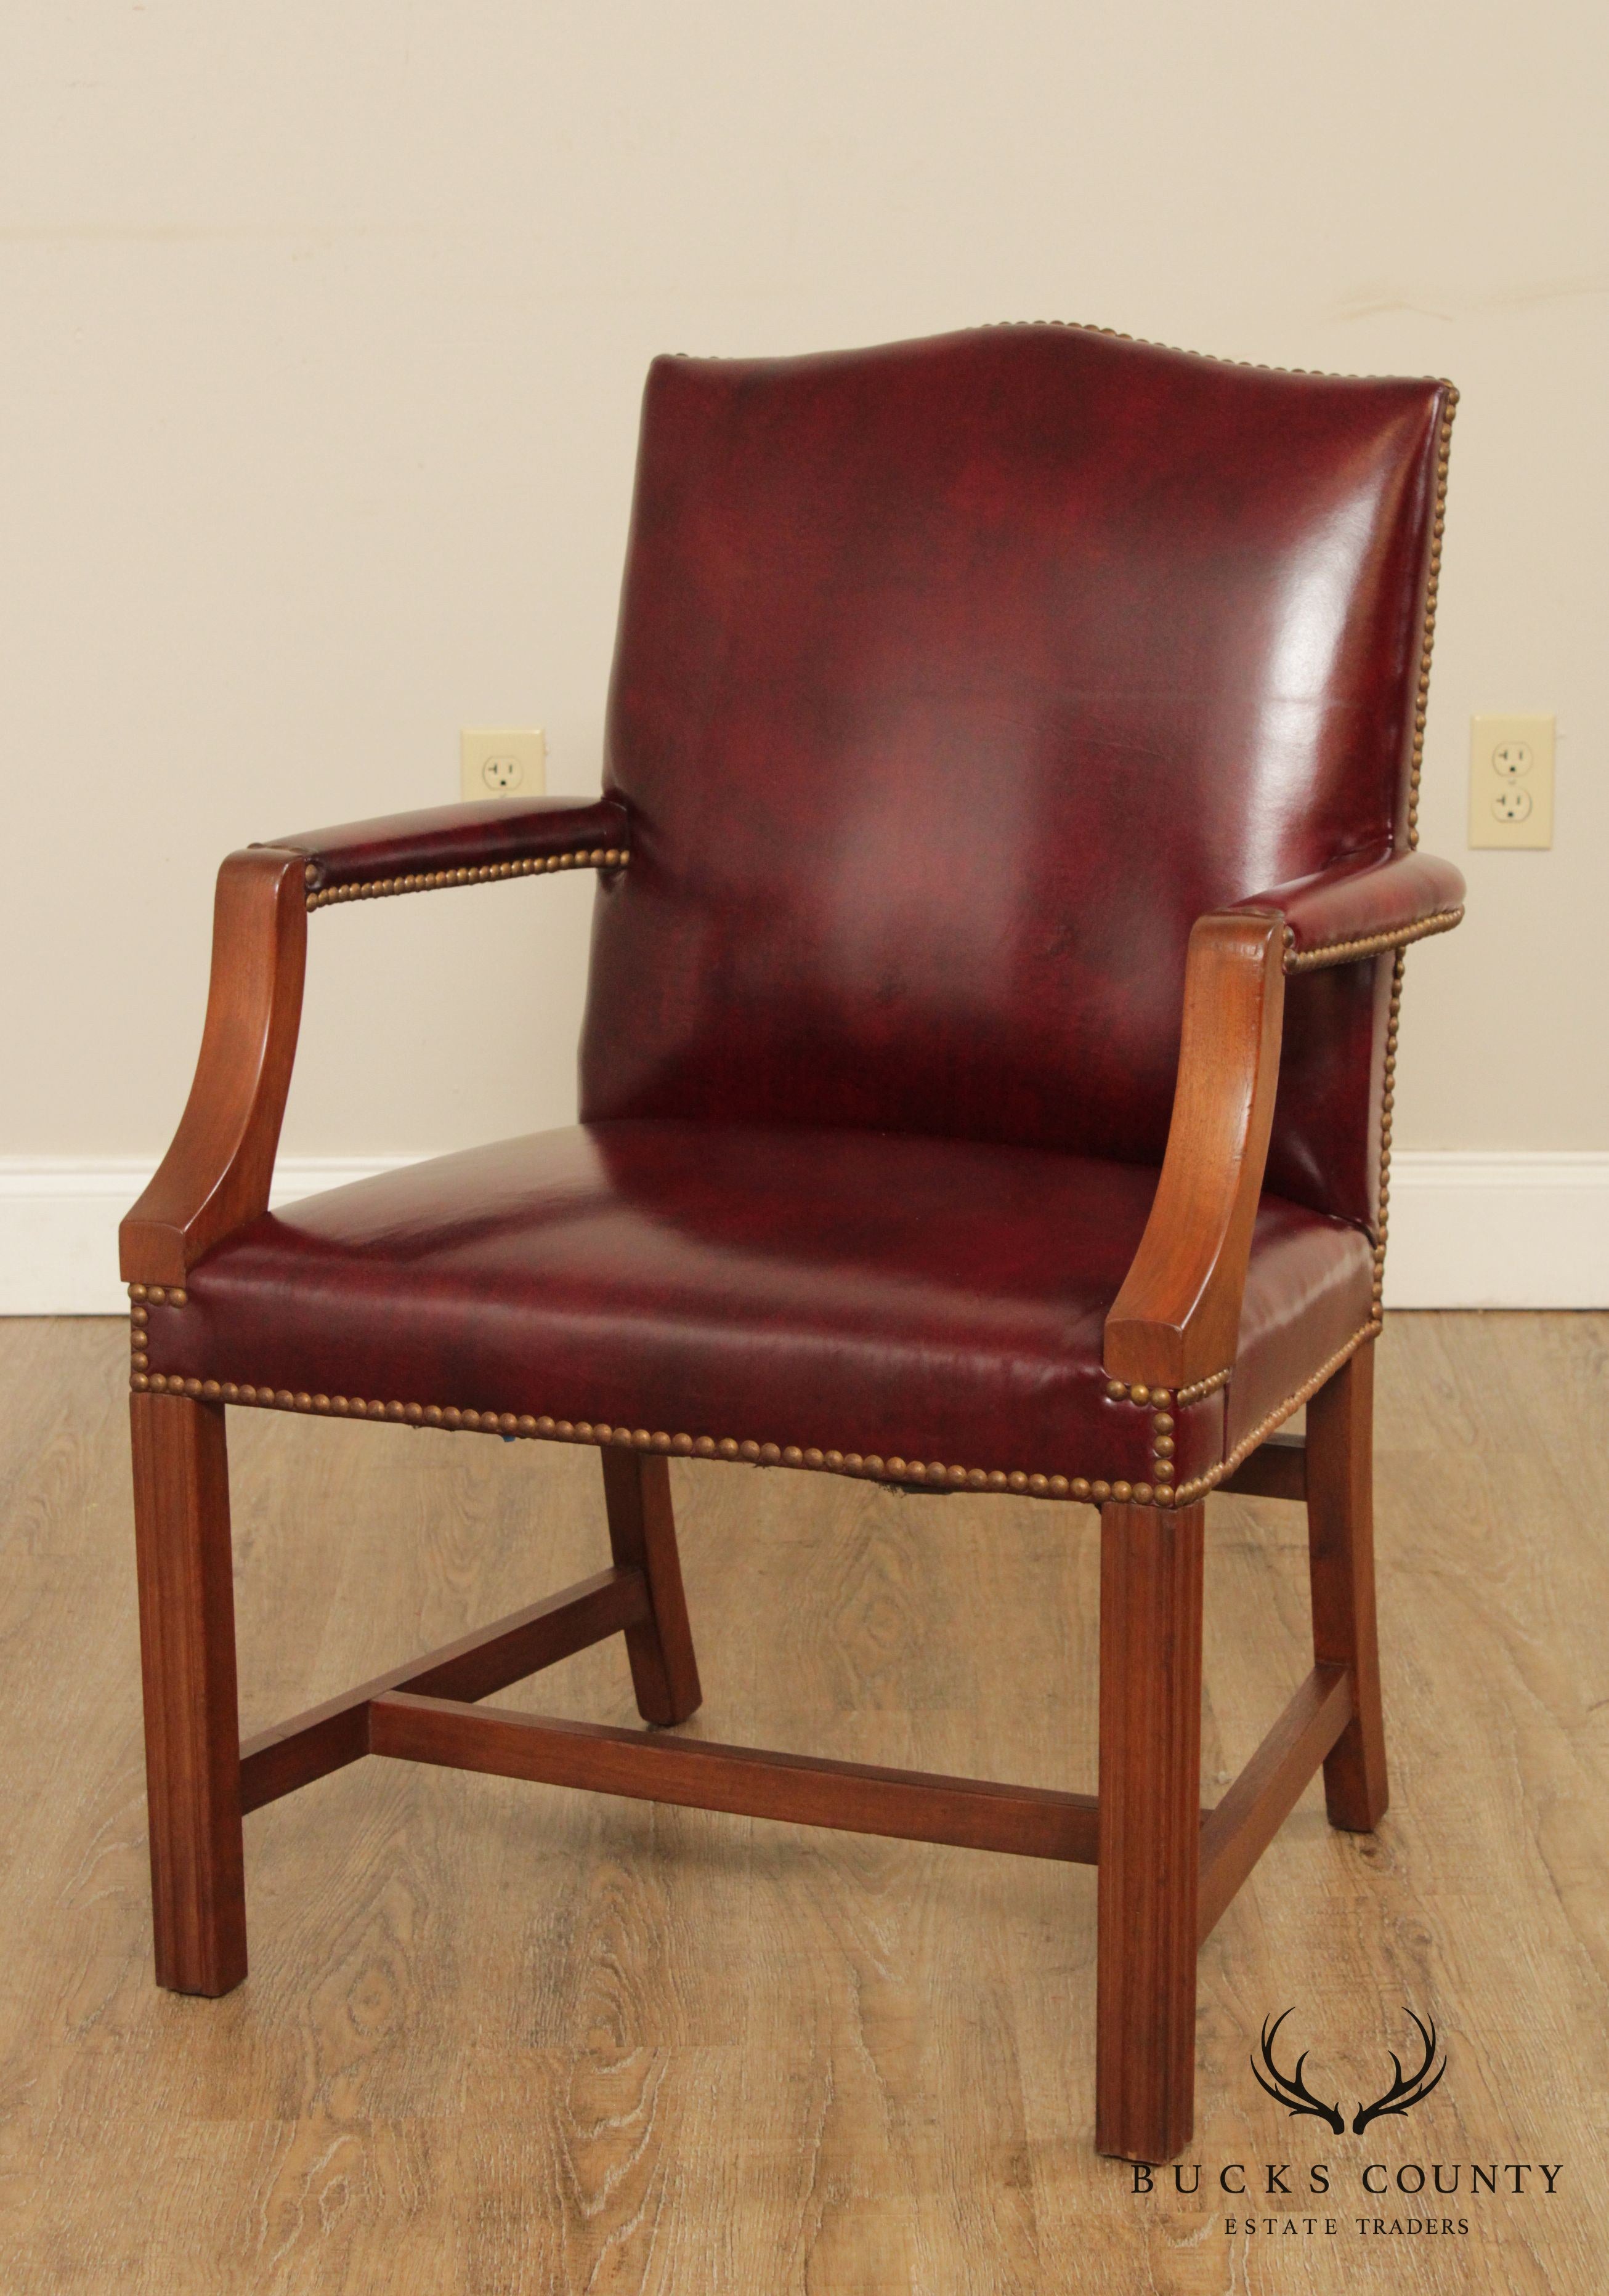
(895, 1296)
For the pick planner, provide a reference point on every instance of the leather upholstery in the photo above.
(892, 1296)
(954, 680)
(1362, 899)
(456, 837)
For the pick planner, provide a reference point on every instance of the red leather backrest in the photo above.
(955, 679)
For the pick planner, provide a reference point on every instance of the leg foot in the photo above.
(181, 1514)
(642, 1534)
(1149, 1826)
(1340, 1543)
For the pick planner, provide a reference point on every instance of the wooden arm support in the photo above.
(216, 1174)
(1177, 1317)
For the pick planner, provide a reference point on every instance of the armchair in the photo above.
(956, 1113)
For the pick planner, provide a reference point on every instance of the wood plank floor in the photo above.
(501, 2038)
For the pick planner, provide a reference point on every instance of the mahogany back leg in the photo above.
(642, 1535)
(181, 1519)
(1341, 1542)
(1150, 1827)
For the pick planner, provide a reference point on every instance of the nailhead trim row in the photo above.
(374, 889)
(1341, 952)
(1427, 633)
(1091, 1489)
(1209, 1385)
(1117, 1391)
(1388, 1093)
(1427, 638)
(1187, 1493)
(639, 1438)
(1212, 358)
(1161, 1400)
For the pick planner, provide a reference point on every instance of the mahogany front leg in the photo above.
(181, 1519)
(1150, 1828)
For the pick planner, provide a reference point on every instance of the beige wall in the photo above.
(324, 329)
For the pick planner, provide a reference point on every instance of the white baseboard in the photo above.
(59, 1224)
(1469, 1228)
(1479, 1228)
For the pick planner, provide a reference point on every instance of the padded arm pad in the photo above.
(1361, 907)
(216, 1175)
(449, 844)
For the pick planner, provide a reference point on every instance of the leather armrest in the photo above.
(457, 845)
(1361, 906)
(216, 1175)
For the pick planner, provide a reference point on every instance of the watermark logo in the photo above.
(1294, 2198)
(1291, 2090)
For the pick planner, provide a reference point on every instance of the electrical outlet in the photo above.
(502, 761)
(1511, 782)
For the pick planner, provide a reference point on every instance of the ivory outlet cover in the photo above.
(1510, 781)
(502, 761)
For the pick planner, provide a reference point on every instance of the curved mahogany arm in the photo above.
(217, 1174)
(1176, 1318)
(1362, 906)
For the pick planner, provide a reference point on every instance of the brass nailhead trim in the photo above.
(1427, 634)
(1187, 1493)
(1117, 1391)
(1162, 1445)
(169, 1295)
(1209, 1386)
(1160, 1492)
(869, 1467)
(1209, 358)
(1341, 952)
(1447, 918)
(1388, 1093)
(374, 889)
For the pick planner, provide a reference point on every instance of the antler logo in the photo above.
(1404, 2091)
(1290, 2088)
(1292, 2091)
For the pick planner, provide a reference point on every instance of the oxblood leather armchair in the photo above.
(1004, 870)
